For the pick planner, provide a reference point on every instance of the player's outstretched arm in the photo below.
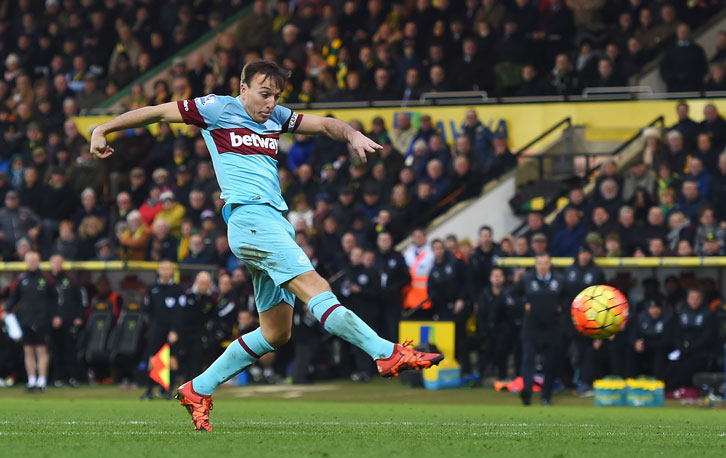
(338, 130)
(166, 112)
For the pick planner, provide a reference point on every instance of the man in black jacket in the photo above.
(650, 338)
(499, 322)
(684, 64)
(225, 315)
(67, 322)
(450, 293)
(482, 259)
(33, 298)
(361, 289)
(695, 332)
(189, 324)
(543, 292)
(394, 277)
(162, 299)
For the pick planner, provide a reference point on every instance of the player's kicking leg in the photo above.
(391, 359)
(274, 331)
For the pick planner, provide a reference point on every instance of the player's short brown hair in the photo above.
(271, 70)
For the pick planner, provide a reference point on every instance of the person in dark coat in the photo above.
(650, 338)
(361, 288)
(695, 334)
(161, 300)
(684, 64)
(34, 299)
(543, 293)
(189, 324)
(66, 324)
(394, 277)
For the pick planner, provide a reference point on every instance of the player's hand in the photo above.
(363, 145)
(77, 321)
(57, 322)
(639, 345)
(173, 337)
(99, 147)
(597, 344)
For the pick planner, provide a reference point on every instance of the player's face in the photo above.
(260, 97)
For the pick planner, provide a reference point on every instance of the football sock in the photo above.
(238, 355)
(345, 324)
(32, 381)
(41, 382)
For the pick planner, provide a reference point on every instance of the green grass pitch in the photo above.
(381, 419)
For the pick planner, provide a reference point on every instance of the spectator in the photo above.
(501, 159)
(16, 220)
(162, 245)
(716, 80)
(690, 201)
(383, 88)
(679, 228)
(437, 80)
(171, 211)
(675, 153)
(469, 181)
(532, 85)
(685, 125)
(564, 80)
(707, 225)
(198, 253)
(698, 173)
(439, 181)
(707, 154)
(471, 70)
(90, 207)
(151, 206)
(403, 133)
(715, 125)
(133, 237)
(567, 240)
(684, 64)
(66, 244)
(90, 231)
(639, 176)
(628, 229)
(717, 195)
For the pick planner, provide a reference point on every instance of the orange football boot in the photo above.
(404, 359)
(197, 404)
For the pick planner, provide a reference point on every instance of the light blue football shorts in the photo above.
(265, 241)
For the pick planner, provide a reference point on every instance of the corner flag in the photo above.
(160, 371)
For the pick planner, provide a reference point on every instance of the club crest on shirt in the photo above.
(207, 99)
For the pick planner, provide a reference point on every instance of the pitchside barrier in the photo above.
(131, 279)
(628, 273)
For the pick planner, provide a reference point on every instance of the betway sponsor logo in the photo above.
(245, 141)
(253, 140)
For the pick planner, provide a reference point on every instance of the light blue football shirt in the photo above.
(243, 151)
